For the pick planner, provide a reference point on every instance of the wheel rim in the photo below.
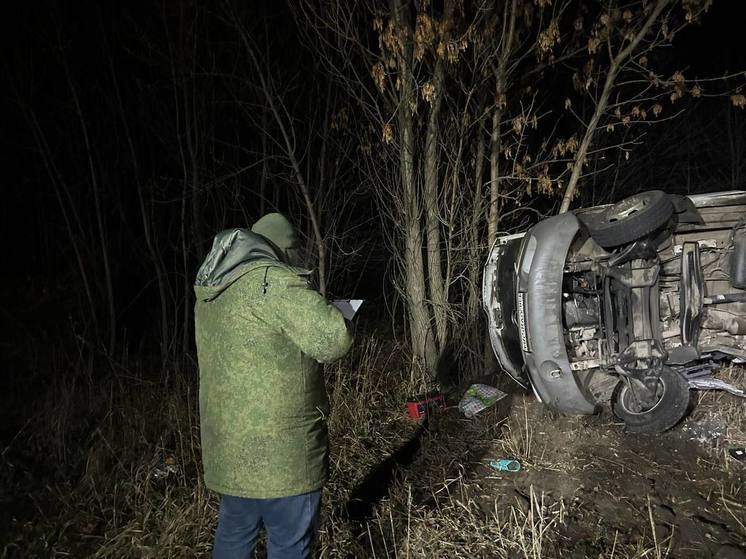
(628, 207)
(633, 406)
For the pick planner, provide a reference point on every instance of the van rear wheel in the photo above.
(655, 411)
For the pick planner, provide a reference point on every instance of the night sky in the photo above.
(138, 71)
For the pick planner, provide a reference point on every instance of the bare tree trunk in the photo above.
(182, 314)
(475, 240)
(414, 269)
(423, 344)
(192, 142)
(477, 257)
(265, 170)
(603, 101)
(432, 215)
(322, 185)
(501, 83)
(495, 148)
(186, 310)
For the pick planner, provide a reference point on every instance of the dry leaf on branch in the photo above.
(428, 92)
(424, 35)
(593, 44)
(518, 123)
(550, 36)
(501, 101)
(388, 133)
(379, 75)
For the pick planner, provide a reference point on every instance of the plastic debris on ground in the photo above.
(738, 453)
(426, 404)
(506, 465)
(712, 383)
(478, 398)
(166, 467)
(703, 430)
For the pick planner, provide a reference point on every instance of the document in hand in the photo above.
(348, 307)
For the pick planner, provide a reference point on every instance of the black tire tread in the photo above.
(667, 414)
(613, 234)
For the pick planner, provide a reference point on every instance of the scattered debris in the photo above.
(703, 430)
(506, 465)
(425, 404)
(712, 383)
(166, 467)
(738, 453)
(479, 397)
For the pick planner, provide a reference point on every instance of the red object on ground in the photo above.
(424, 405)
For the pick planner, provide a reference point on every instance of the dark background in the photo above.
(135, 73)
(131, 132)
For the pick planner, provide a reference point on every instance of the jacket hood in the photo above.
(278, 229)
(233, 253)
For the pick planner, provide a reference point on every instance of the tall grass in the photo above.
(93, 450)
(84, 475)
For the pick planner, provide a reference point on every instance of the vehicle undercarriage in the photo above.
(651, 297)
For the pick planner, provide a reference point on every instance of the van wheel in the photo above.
(660, 411)
(631, 219)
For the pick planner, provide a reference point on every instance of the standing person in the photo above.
(261, 332)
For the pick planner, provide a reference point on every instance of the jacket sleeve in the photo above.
(305, 317)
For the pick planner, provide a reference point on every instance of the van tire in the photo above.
(667, 412)
(631, 219)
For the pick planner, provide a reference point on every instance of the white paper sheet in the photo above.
(348, 307)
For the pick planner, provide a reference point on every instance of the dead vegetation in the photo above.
(85, 477)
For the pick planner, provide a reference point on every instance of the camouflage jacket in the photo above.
(260, 331)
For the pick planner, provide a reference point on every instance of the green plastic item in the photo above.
(506, 465)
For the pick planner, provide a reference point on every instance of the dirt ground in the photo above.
(620, 487)
(588, 489)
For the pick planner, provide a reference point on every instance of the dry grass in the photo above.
(82, 473)
(93, 447)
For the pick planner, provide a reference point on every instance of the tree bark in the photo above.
(432, 214)
(501, 83)
(423, 345)
(495, 148)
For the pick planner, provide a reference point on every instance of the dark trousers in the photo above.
(291, 524)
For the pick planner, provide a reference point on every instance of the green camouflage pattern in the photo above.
(263, 406)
